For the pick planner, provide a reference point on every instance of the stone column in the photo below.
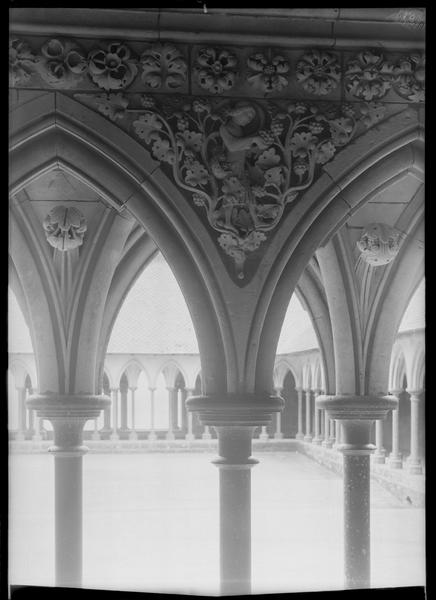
(170, 432)
(380, 453)
(206, 435)
(20, 436)
(300, 434)
(414, 465)
(264, 434)
(317, 426)
(37, 436)
(332, 427)
(278, 435)
(326, 443)
(95, 434)
(235, 417)
(133, 435)
(356, 414)
(308, 436)
(123, 409)
(107, 421)
(114, 434)
(395, 461)
(152, 435)
(68, 415)
(189, 436)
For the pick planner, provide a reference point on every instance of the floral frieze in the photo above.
(215, 70)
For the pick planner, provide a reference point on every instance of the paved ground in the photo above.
(151, 524)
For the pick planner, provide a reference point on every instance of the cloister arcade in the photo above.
(263, 155)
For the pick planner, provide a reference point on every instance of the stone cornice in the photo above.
(389, 28)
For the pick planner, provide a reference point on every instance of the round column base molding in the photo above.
(74, 452)
(307, 438)
(356, 449)
(53, 406)
(326, 444)
(170, 436)
(414, 466)
(133, 435)
(189, 437)
(224, 463)
(242, 409)
(278, 436)
(350, 407)
(299, 436)
(317, 441)
(395, 462)
(206, 436)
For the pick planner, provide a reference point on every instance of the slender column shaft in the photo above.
(206, 434)
(68, 520)
(317, 427)
(114, 434)
(132, 435)
(263, 434)
(21, 433)
(107, 419)
(356, 450)
(190, 434)
(170, 432)
(379, 454)
(300, 434)
(278, 435)
(395, 460)
(235, 509)
(123, 408)
(95, 433)
(152, 434)
(308, 436)
(414, 462)
(327, 441)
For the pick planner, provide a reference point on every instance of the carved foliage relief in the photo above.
(65, 228)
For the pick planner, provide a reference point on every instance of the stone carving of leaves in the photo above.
(371, 113)
(325, 153)
(190, 140)
(63, 63)
(341, 130)
(196, 174)
(269, 75)
(409, 77)
(112, 68)
(163, 64)
(302, 144)
(268, 158)
(146, 125)
(112, 105)
(22, 61)
(318, 72)
(216, 70)
(162, 150)
(369, 76)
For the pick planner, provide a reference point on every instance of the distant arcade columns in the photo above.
(172, 399)
(21, 432)
(317, 439)
(308, 435)
(152, 434)
(300, 433)
(114, 435)
(395, 461)
(132, 435)
(190, 434)
(414, 464)
(278, 435)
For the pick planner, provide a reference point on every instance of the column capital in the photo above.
(68, 414)
(151, 389)
(133, 388)
(415, 393)
(236, 409)
(351, 407)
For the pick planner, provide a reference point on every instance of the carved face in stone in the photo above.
(64, 228)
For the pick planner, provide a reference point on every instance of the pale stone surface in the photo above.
(149, 527)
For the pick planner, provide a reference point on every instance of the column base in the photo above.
(414, 466)
(395, 462)
(206, 436)
(326, 444)
(278, 435)
(307, 438)
(189, 437)
(317, 441)
(133, 436)
(299, 436)
(36, 438)
(19, 437)
(95, 436)
(379, 457)
(114, 437)
(152, 436)
(170, 436)
(264, 437)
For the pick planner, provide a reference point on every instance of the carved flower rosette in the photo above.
(269, 75)
(244, 162)
(216, 69)
(113, 67)
(369, 76)
(318, 72)
(63, 63)
(65, 228)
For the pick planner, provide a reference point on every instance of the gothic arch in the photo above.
(72, 137)
(346, 185)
